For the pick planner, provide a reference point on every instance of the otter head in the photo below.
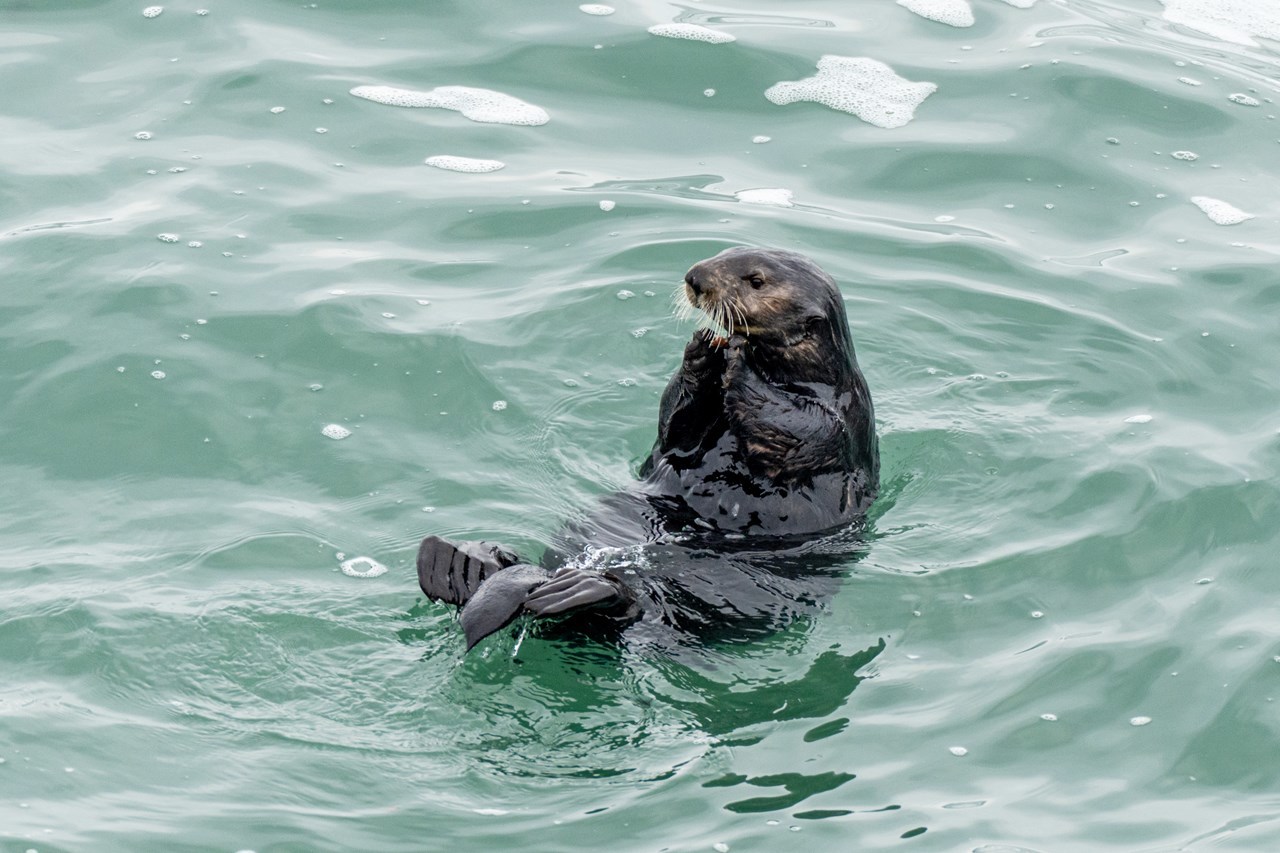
(787, 308)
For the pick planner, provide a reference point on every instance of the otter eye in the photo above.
(755, 280)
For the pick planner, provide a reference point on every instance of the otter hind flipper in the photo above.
(453, 571)
(499, 601)
(535, 590)
(575, 589)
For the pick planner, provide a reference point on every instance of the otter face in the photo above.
(771, 296)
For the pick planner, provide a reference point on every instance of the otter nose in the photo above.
(692, 279)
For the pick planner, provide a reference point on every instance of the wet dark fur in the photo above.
(766, 439)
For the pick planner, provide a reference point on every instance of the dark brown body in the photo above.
(770, 431)
(766, 440)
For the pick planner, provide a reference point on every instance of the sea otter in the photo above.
(766, 439)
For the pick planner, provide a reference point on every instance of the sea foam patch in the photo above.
(777, 196)
(1236, 21)
(867, 88)
(692, 32)
(482, 105)
(954, 13)
(1219, 211)
(464, 164)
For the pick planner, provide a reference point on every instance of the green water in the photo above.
(1075, 378)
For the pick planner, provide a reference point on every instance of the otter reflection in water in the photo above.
(766, 447)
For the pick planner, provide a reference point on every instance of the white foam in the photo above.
(335, 431)
(1185, 155)
(766, 195)
(761, 140)
(1236, 21)
(1138, 419)
(152, 11)
(482, 105)
(1219, 211)
(1139, 721)
(958, 750)
(953, 13)
(1243, 99)
(464, 164)
(692, 32)
(607, 205)
(867, 88)
(363, 567)
(596, 9)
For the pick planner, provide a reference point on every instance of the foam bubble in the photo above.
(867, 88)
(152, 11)
(363, 567)
(1185, 155)
(607, 205)
(596, 9)
(1021, 4)
(692, 32)
(157, 374)
(1236, 21)
(1219, 211)
(761, 140)
(1244, 100)
(464, 164)
(954, 13)
(335, 431)
(142, 134)
(1138, 419)
(482, 105)
(958, 750)
(1139, 721)
(167, 238)
(499, 405)
(766, 195)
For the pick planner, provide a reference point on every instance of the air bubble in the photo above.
(157, 374)
(363, 567)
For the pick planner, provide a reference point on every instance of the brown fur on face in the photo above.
(789, 310)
